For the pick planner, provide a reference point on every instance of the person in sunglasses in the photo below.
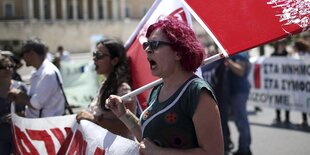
(6, 84)
(182, 116)
(111, 61)
(45, 97)
(17, 64)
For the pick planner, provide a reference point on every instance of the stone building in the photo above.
(70, 23)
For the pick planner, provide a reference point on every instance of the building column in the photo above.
(53, 10)
(95, 9)
(41, 10)
(75, 9)
(85, 10)
(64, 9)
(115, 9)
(30, 9)
(105, 9)
(123, 9)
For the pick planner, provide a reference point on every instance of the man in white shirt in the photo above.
(63, 54)
(45, 97)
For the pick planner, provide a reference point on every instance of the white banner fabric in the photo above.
(63, 135)
(80, 81)
(281, 82)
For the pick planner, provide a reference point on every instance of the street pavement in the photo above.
(271, 139)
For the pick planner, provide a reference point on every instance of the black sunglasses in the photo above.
(153, 45)
(99, 55)
(7, 67)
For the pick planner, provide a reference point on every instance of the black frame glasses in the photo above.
(99, 55)
(7, 67)
(154, 45)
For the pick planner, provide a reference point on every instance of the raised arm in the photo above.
(125, 115)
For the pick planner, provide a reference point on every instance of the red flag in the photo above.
(140, 68)
(238, 25)
(234, 25)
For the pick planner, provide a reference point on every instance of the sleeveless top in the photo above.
(169, 124)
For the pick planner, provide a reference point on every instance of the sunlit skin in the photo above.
(163, 61)
(6, 73)
(105, 65)
(27, 58)
(33, 59)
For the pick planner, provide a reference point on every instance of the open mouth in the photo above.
(153, 64)
(96, 66)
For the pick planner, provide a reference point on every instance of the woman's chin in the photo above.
(155, 73)
(98, 72)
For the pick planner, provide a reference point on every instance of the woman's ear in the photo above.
(115, 61)
(177, 56)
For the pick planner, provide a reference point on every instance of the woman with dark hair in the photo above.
(111, 61)
(182, 115)
(8, 84)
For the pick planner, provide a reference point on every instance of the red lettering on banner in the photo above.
(68, 131)
(64, 147)
(22, 138)
(15, 144)
(59, 135)
(99, 151)
(257, 76)
(78, 144)
(42, 135)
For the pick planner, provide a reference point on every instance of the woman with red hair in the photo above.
(182, 115)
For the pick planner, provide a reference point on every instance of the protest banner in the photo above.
(282, 83)
(63, 135)
(80, 81)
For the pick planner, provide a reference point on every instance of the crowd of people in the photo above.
(301, 48)
(229, 78)
(185, 114)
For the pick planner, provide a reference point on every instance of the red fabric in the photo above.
(140, 70)
(257, 76)
(243, 24)
(237, 25)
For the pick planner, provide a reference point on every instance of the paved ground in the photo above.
(271, 139)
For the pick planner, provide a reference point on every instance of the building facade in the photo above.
(70, 23)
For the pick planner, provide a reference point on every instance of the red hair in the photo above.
(183, 40)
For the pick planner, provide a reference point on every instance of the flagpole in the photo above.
(159, 81)
(142, 23)
(205, 27)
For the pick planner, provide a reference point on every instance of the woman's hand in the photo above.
(148, 148)
(19, 97)
(115, 104)
(7, 118)
(85, 115)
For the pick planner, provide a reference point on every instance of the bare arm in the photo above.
(115, 125)
(20, 97)
(125, 115)
(208, 130)
(237, 67)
